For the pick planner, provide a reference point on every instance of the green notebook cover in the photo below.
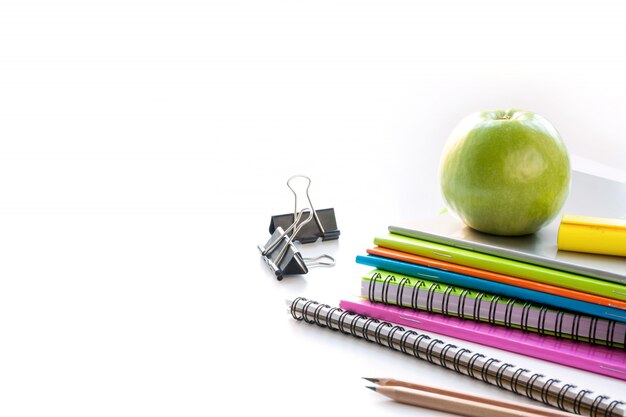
(503, 266)
(436, 297)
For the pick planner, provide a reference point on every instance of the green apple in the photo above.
(505, 172)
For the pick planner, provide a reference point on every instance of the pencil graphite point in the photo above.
(374, 380)
(372, 388)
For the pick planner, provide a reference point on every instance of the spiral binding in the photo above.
(493, 307)
(463, 361)
(500, 373)
(456, 362)
(380, 290)
(461, 305)
(372, 286)
(526, 315)
(530, 386)
(611, 332)
(471, 364)
(578, 400)
(593, 328)
(596, 404)
(388, 280)
(576, 327)
(508, 314)
(431, 296)
(415, 293)
(484, 370)
(561, 395)
(430, 350)
(477, 304)
(404, 338)
(543, 312)
(446, 300)
(515, 380)
(400, 293)
(444, 353)
(545, 389)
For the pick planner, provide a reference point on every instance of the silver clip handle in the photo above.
(308, 197)
(322, 260)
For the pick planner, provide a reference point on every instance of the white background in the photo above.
(144, 146)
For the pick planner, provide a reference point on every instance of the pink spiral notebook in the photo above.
(598, 359)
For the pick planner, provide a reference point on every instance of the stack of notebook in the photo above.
(517, 294)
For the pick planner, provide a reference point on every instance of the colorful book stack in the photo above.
(534, 310)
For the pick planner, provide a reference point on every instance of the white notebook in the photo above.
(589, 196)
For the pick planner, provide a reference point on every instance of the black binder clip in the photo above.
(282, 256)
(324, 227)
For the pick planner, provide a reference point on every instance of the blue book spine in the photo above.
(469, 282)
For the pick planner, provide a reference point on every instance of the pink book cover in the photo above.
(598, 359)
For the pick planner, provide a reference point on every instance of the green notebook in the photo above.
(503, 266)
(436, 297)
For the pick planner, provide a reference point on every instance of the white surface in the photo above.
(144, 146)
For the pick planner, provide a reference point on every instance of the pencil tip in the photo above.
(374, 380)
(372, 388)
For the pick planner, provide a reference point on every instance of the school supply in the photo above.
(589, 195)
(505, 290)
(324, 226)
(280, 253)
(593, 235)
(282, 256)
(463, 361)
(503, 266)
(598, 359)
(453, 404)
(450, 394)
(436, 297)
(493, 276)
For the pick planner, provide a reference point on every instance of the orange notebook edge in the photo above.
(496, 277)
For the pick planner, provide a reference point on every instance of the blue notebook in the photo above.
(452, 278)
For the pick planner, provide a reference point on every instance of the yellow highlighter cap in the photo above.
(592, 234)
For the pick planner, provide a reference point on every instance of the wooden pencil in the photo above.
(465, 403)
(448, 404)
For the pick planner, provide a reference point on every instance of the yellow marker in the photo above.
(593, 235)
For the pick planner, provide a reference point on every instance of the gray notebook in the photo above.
(589, 196)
